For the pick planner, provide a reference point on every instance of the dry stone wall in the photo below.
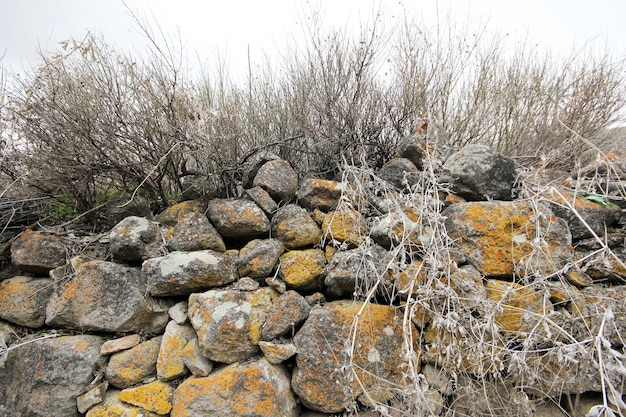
(395, 294)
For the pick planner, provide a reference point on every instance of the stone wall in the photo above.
(466, 288)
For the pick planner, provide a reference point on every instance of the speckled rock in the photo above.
(295, 227)
(120, 344)
(94, 396)
(113, 407)
(193, 359)
(170, 364)
(344, 225)
(258, 258)
(255, 388)
(378, 350)
(181, 273)
(263, 200)
(79, 303)
(315, 193)
(171, 215)
(229, 322)
(400, 172)
(44, 377)
(302, 269)
(156, 397)
(276, 353)
(238, 218)
(401, 227)
(285, 315)
(501, 238)
(23, 300)
(38, 252)
(132, 366)
(194, 232)
(253, 164)
(278, 178)
(135, 239)
(364, 265)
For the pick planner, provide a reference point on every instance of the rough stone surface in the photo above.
(276, 353)
(171, 215)
(194, 232)
(156, 397)
(400, 172)
(477, 173)
(37, 252)
(180, 273)
(315, 193)
(79, 303)
(43, 378)
(178, 312)
(263, 200)
(302, 269)
(92, 397)
(134, 239)
(119, 344)
(113, 407)
(229, 322)
(170, 364)
(295, 227)
(255, 388)
(401, 227)
(285, 315)
(346, 268)
(238, 218)
(501, 238)
(193, 359)
(322, 352)
(253, 164)
(258, 258)
(344, 225)
(23, 300)
(133, 365)
(278, 178)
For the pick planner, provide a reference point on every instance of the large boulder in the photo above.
(285, 315)
(23, 300)
(45, 375)
(38, 252)
(302, 269)
(477, 173)
(105, 296)
(236, 218)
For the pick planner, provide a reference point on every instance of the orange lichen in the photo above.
(519, 305)
(345, 225)
(301, 268)
(156, 397)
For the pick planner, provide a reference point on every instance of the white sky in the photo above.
(263, 25)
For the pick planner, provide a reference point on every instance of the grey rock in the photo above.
(295, 227)
(253, 164)
(38, 252)
(194, 232)
(134, 239)
(285, 315)
(363, 265)
(315, 193)
(258, 258)
(400, 172)
(122, 206)
(23, 300)
(236, 218)
(263, 200)
(132, 366)
(279, 179)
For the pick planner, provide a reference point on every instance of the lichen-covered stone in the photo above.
(377, 356)
(194, 232)
(171, 215)
(263, 200)
(113, 407)
(238, 218)
(302, 269)
(132, 366)
(286, 314)
(193, 359)
(400, 172)
(401, 227)
(258, 258)
(134, 239)
(23, 300)
(170, 364)
(119, 344)
(157, 397)
(363, 265)
(507, 238)
(315, 193)
(295, 227)
(229, 322)
(278, 178)
(38, 252)
(181, 273)
(255, 388)
(344, 225)
(276, 353)
(79, 303)
(92, 397)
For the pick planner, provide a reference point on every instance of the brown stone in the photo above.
(171, 215)
(133, 365)
(302, 269)
(122, 343)
(315, 193)
(38, 252)
(344, 225)
(236, 218)
(23, 300)
(295, 227)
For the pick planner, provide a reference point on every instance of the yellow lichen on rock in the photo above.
(156, 396)
(344, 225)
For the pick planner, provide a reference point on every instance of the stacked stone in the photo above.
(239, 307)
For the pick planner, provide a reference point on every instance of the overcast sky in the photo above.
(263, 25)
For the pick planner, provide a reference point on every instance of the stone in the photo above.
(377, 358)
(113, 407)
(38, 252)
(46, 375)
(170, 363)
(178, 312)
(302, 269)
(276, 353)
(263, 200)
(202, 187)
(594, 218)
(285, 315)
(344, 225)
(156, 397)
(246, 284)
(253, 164)
(415, 148)
(79, 303)
(194, 361)
(255, 388)
(258, 258)
(477, 173)
(135, 239)
(278, 178)
(132, 366)
(229, 322)
(400, 172)
(194, 232)
(362, 266)
(237, 218)
(181, 273)
(324, 195)
(502, 239)
(117, 345)
(401, 227)
(295, 227)
(23, 300)
(92, 397)
(171, 215)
